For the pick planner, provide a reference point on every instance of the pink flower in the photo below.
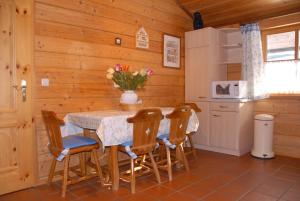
(118, 67)
(149, 72)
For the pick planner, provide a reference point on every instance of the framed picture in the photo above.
(171, 51)
(142, 38)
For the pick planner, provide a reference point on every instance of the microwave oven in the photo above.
(229, 89)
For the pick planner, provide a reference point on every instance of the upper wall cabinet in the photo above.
(232, 46)
(202, 37)
(204, 54)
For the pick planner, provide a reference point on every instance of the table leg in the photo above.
(114, 167)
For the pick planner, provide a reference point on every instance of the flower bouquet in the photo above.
(128, 81)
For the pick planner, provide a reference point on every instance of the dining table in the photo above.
(112, 128)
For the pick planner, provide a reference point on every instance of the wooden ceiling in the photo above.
(217, 13)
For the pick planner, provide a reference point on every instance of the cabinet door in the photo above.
(197, 85)
(202, 135)
(223, 127)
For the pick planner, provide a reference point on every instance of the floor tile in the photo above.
(178, 197)
(207, 186)
(24, 195)
(98, 196)
(274, 187)
(213, 177)
(139, 196)
(256, 196)
(159, 192)
(291, 196)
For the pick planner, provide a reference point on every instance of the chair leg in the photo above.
(169, 164)
(132, 182)
(65, 175)
(82, 162)
(98, 166)
(192, 146)
(155, 168)
(52, 170)
(186, 165)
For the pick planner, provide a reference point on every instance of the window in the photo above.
(281, 53)
(281, 46)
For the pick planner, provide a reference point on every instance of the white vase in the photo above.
(129, 97)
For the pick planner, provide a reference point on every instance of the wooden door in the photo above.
(17, 145)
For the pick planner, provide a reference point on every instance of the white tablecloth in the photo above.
(111, 125)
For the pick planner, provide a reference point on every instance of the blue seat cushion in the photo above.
(164, 136)
(76, 141)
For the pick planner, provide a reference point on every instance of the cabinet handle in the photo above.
(216, 115)
(222, 106)
(201, 97)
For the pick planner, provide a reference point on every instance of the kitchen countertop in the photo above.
(235, 100)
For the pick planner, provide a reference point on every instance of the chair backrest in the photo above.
(192, 105)
(179, 121)
(145, 128)
(52, 124)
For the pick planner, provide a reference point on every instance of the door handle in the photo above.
(23, 89)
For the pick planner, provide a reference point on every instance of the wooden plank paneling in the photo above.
(57, 45)
(234, 71)
(74, 46)
(61, 60)
(286, 123)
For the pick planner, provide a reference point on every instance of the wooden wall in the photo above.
(74, 46)
(286, 109)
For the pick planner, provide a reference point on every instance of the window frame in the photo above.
(266, 32)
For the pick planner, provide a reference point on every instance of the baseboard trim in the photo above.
(219, 150)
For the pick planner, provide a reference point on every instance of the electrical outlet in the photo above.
(45, 82)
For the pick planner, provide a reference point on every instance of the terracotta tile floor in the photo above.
(213, 177)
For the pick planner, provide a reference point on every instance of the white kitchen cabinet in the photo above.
(231, 127)
(202, 61)
(202, 135)
(225, 126)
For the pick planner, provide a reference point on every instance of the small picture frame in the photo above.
(171, 51)
(142, 39)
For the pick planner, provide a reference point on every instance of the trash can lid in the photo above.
(264, 117)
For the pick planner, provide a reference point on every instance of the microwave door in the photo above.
(223, 90)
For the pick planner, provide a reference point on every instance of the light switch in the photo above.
(45, 82)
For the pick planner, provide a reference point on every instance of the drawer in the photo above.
(225, 106)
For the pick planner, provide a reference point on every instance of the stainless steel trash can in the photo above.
(263, 136)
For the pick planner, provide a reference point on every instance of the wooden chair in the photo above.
(63, 148)
(191, 149)
(145, 127)
(179, 121)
